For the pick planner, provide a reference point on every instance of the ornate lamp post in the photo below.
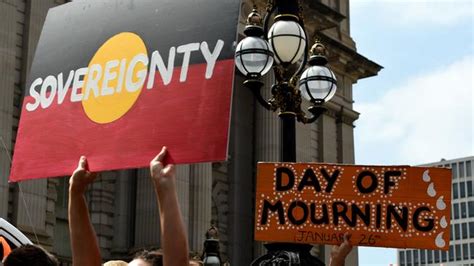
(284, 47)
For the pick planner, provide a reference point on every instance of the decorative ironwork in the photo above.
(286, 99)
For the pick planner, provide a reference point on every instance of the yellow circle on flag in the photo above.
(115, 78)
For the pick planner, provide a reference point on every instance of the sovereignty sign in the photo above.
(117, 80)
(389, 206)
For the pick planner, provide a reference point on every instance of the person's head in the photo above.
(155, 258)
(31, 255)
(147, 258)
(115, 263)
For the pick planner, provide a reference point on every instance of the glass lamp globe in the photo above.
(318, 84)
(287, 40)
(253, 57)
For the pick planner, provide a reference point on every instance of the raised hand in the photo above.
(339, 253)
(162, 175)
(81, 177)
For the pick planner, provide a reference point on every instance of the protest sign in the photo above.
(389, 206)
(117, 80)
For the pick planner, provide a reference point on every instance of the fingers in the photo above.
(169, 170)
(161, 155)
(82, 163)
(156, 165)
(83, 167)
(81, 177)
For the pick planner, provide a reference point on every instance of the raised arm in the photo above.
(173, 234)
(85, 249)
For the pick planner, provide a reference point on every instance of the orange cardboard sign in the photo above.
(387, 206)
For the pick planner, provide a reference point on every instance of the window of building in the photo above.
(471, 247)
(464, 230)
(468, 168)
(423, 256)
(408, 256)
(430, 256)
(455, 191)
(469, 189)
(454, 169)
(470, 206)
(462, 190)
(415, 257)
(436, 256)
(402, 258)
(465, 251)
(471, 229)
(451, 253)
(457, 233)
(456, 210)
(463, 210)
(451, 233)
(444, 256)
(461, 169)
(458, 252)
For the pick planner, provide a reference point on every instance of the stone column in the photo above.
(51, 199)
(183, 190)
(201, 204)
(8, 17)
(305, 148)
(220, 205)
(29, 210)
(32, 207)
(147, 218)
(345, 129)
(101, 207)
(327, 133)
(124, 201)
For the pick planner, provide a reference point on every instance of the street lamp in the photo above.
(284, 47)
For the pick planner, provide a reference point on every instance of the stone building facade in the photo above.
(122, 203)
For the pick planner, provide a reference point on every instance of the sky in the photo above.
(419, 108)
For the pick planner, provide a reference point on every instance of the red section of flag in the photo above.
(190, 118)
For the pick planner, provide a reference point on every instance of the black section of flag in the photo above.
(73, 32)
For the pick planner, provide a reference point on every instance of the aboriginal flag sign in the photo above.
(117, 80)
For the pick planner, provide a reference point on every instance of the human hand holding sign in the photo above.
(81, 177)
(339, 253)
(163, 171)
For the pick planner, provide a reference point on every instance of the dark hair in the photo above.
(30, 255)
(154, 257)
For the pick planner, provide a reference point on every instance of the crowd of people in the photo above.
(85, 248)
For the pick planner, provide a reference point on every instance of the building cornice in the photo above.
(347, 59)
